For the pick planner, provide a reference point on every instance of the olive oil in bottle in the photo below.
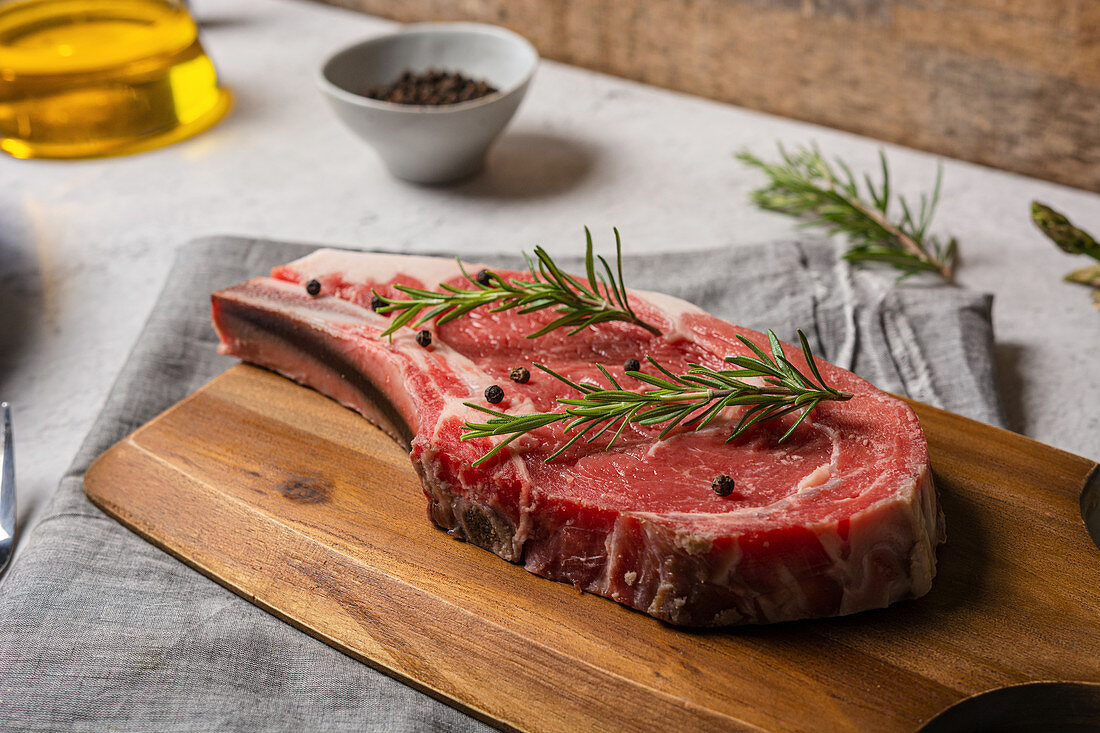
(86, 78)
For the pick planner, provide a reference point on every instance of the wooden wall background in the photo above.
(1013, 84)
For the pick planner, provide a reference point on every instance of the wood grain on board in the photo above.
(308, 511)
(1008, 83)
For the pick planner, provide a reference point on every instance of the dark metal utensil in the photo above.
(7, 491)
(1067, 707)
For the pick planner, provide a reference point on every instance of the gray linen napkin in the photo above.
(100, 630)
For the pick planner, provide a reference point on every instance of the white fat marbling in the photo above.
(367, 267)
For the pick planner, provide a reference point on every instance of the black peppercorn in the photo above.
(313, 287)
(376, 302)
(494, 394)
(632, 365)
(722, 485)
(519, 374)
(432, 86)
(424, 337)
(483, 277)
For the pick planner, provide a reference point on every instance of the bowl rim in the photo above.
(334, 90)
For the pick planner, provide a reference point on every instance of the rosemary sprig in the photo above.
(691, 399)
(601, 297)
(805, 185)
(1072, 240)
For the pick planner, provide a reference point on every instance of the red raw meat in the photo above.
(840, 517)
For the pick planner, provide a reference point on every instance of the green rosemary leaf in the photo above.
(793, 371)
(750, 418)
(706, 417)
(608, 375)
(589, 265)
(626, 419)
(805, 186)
(675, 379)
(798, 421)
(755, 349)
(809, 357)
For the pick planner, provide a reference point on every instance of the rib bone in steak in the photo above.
(840, 517)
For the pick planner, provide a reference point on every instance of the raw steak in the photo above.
(839, 518)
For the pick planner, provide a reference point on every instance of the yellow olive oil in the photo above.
(86, 78)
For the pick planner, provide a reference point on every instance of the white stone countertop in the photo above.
(85, 245)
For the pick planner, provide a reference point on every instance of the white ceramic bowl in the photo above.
(431, 144)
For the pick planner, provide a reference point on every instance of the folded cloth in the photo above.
(103, 631)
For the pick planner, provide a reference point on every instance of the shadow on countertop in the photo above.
(528, 165)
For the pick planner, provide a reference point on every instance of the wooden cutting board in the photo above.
(308, 511)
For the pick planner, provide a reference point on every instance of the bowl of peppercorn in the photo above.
(432, 97)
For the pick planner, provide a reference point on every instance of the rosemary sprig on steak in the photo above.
(693, 399)
(1072, 240)
(599, 298)
(804, 185)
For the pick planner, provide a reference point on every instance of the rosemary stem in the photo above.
(907, 242)
(677, 402)
(903, 239)
(647, 326)
(717, 394)
(603, 306)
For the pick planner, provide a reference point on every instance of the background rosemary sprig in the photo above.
(803, 184)
(582, 303)
(1072, 240)
(693, 399)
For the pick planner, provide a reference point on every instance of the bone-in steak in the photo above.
(840, 517)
